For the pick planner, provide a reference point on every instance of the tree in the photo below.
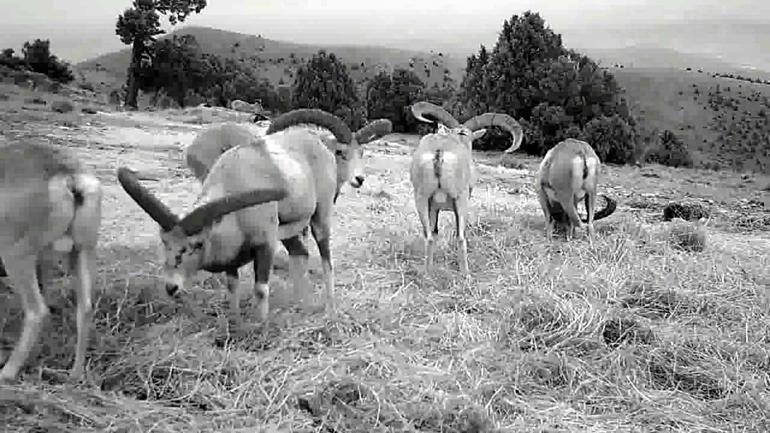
(531, 76)
(389, 97)
(37, 57)
(176, 67)
(139, 25)
(670, 151)
(323, 82)
(611, 137)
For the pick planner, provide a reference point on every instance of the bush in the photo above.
(389, 97)
(611, 137)
(323, 82)
(557, 92)
(670, 151)
(38, 57)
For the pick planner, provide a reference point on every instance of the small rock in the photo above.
(88, 110)
(62, 106)
(685, 211)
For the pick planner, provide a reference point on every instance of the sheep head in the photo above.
(348, 151)
(184, 239)
(473, 128)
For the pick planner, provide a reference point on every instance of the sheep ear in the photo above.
(442, 129)
(479, 133)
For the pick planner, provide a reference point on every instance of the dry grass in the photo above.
(631, 334)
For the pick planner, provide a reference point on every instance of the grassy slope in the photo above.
(272, 58)
(521, 347)
(730, 132)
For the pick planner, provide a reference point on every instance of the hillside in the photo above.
(651, 56)
(721, 120)
(727, 129)
(278, 61)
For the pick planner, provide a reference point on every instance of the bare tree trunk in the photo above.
(133, 70)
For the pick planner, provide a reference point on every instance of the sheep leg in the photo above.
(298, 255)
(423, 211)
(568, 205)
(83, 263)
(590, 202)
(234, 288)
(263, 265)
(23, 273)
(460, 205)
(321, 227)
(545, 205)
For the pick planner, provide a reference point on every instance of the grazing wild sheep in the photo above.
(443, 173)
(48, 203)
(568, 174)
(259, 191)
(243, 106)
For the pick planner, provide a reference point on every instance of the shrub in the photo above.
(670, 151)
(323, 82)
(611, 137)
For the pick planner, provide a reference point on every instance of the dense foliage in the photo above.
(323, 82)
(139, 25)
(670, 150)
(37, 57)
(389, 96)
(556, 92)
(178, 68)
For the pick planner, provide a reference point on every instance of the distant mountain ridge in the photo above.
(278, 60)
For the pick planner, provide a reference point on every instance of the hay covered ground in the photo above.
(632, 334)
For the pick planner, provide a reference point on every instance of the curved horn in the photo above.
(438, 114)
(608, 209)
(206, 214)
(314, 116)
(373, 130)
(503, 121)
(146, 199)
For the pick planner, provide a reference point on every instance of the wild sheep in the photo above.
(569, 173)
(201, 154)
(259, 191)
(443, 173)
(238, 105)
(49, 203)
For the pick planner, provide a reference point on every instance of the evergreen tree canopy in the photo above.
(139, 25)
(323, 82)
(554, 91)
(389, 97)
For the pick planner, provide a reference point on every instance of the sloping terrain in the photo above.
(629, 334)
(722, 121)
(278, 61)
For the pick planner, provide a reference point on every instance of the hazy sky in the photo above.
(80, 29)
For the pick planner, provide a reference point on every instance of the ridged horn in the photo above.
(316, 117)
(436, 113)
(146, 199)
(206, 214)
(373, 130)
(503, 121)
(609, 208)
